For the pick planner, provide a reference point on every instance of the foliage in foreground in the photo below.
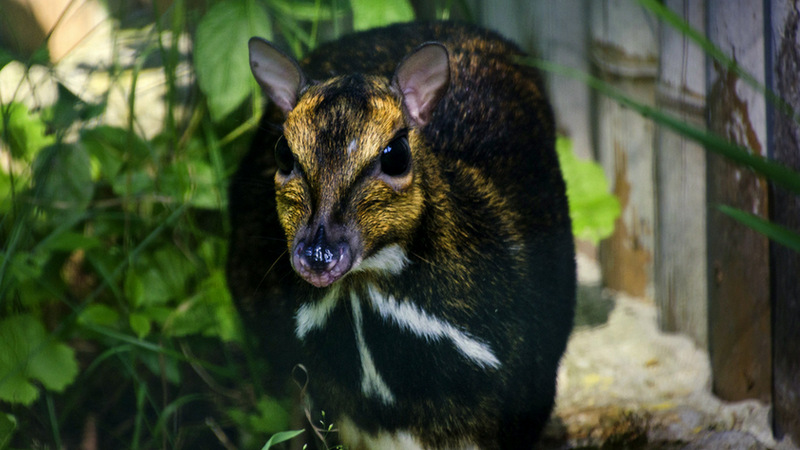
(114, 312)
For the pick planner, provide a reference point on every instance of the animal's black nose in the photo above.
(318, 254)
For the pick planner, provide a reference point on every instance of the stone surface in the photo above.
(625, 384)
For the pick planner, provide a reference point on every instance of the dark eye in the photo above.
(396, 157)
(284, 157)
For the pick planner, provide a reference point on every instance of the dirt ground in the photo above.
(624, 384)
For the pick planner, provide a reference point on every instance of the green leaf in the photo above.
(270, 417)
(63, 179)
(133, 183)
(8, 425)
(5, 58)
(283, 436)
(114, 148)
(310, 11)
(158, 278)
(27, 353)
(375, 13)
(70, 108)
(592, 208)
(25, 133)
(140, 324)
(67, 241)
(773, 231)
(221, 55)
(99, 314)
(192, 182)
(210, 312)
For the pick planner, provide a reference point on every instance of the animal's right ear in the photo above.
(278, 74)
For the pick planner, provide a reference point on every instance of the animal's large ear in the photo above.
(423, 77)
(278, 74)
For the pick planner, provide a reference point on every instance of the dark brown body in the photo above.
(490, 255)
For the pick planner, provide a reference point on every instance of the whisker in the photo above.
(269, 270)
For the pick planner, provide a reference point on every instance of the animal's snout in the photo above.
(320, 255)
(321, 261)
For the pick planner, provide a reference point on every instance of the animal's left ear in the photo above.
(423, 77)
(277, 73)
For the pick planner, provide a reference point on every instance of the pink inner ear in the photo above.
(278, 75)
(423, 77)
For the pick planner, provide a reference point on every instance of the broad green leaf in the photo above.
(26, 272)
(191, 182)
(70, 108)
(133, 183)
(114, 148)
(8, 425)
(28, 353)
(63, 179)
(210, 312)
(307, 10)
(24, 132)
(67, 241)
(270, 417)
(158, 278)
(167, 367)
(375, 13)
(283, 436)
(221, 56)
(99, 314)
(140, 324)
(592, 208)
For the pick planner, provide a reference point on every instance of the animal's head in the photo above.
(351, 161)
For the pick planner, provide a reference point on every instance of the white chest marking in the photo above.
(354, 437)
(409, 317)
(311, 316)
(391, 259)
(372, 384)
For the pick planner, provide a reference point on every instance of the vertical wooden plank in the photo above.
(784, 50)
(561, 36)
(680, 245)
(739, 294)
(624, 52)
(557, 32)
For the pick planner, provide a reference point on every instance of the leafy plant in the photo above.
(113, 303)
(592, 208)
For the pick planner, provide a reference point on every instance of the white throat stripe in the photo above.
(311, 316)
(391, 259)
(372, 384)
(410, 317)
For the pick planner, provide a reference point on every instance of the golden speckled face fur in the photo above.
(337, 133)
(351, 157)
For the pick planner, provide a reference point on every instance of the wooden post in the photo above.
(784, 56)
(680, 245)
(738, 257)
(624, 51)
(557, 32)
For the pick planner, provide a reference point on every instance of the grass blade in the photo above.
(678, 23)
(283, 436)
(777, 233)
(775, 172)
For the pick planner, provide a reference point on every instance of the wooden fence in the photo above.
(724, 285)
